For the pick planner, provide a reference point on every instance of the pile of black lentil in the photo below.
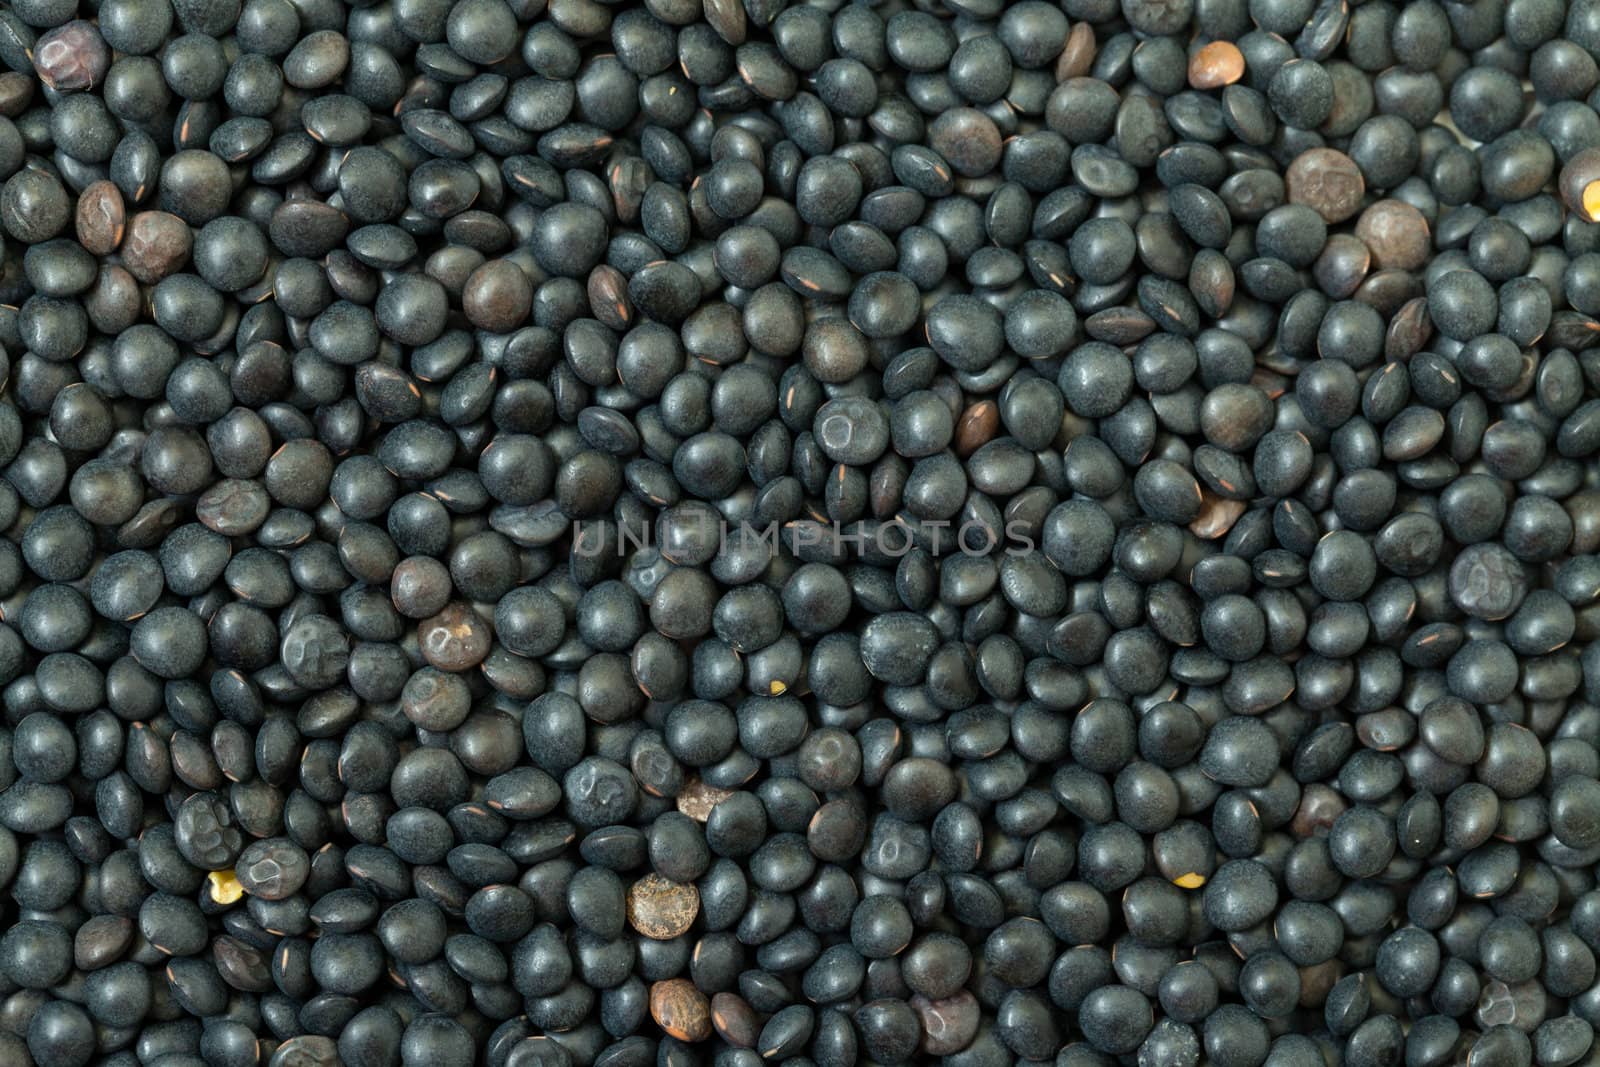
(544, 533)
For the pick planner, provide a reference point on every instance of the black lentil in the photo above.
(578, 534)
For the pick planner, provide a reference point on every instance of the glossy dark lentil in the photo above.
(1181, 643)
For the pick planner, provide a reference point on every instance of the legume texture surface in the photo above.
(714, 533)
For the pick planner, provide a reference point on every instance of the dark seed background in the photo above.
(1180, 418)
